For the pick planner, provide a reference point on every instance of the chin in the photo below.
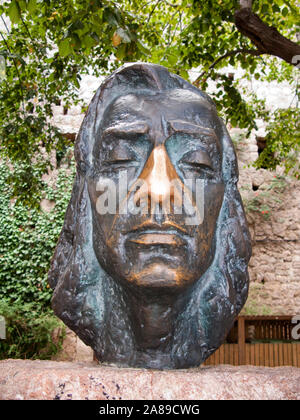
(160, 276)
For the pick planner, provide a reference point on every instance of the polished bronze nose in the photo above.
(160, 184)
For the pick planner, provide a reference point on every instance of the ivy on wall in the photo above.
(28, 237)
(27, 240)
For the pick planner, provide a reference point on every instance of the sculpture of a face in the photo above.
(156, 277)
(157, 139)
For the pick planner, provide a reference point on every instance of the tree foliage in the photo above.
(51, 44)
(283, 142)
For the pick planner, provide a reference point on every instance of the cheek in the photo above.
(213, 198)
(103, 222)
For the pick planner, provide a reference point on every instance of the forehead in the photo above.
(152, 106)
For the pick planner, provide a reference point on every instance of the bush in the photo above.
(29, 332)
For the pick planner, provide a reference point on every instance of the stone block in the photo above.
(48, 380)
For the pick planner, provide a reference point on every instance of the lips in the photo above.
(157, 238)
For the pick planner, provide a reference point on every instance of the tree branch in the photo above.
(152, 11)
(266, 38)
(229, 54)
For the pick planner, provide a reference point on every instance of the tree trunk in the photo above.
(266, 38)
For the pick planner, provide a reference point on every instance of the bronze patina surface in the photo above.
(156, 280)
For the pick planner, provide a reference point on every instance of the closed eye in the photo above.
(118, 161)
(118, 156)
(119, 164)
(198, 165)
(199, 161)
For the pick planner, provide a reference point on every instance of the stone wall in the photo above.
(275, 263)
(275, 231)
(73, 348)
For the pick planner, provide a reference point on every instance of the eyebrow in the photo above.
(127, 129)
(141, 127)
(180, 126)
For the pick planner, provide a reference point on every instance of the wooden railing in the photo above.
(258, 354)
(268, 352)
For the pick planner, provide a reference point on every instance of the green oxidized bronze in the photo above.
(156, 277)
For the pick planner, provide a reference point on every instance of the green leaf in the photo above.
(88, 41)
(14, 12)
(275, 8)
(172, 59)
(142, 47)
(110, 17)
(32, 6)
(184, 74)
(64, 47)
(285, 12)
(76, 83)
(121, 51)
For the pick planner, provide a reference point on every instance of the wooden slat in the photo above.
(288, 354)
(294, 354)
(256, 361)
(241, 340)
(222, 354)
(261, 355)
(267, 317)
(226, 354)
(217, 357)
(264, 330)
(252, 354)
(278, 331)
(281, 331)
(236, 355)
(287, 332)
(272, 331)
(276, 354)
(213, 360)
(271, 355)
(231, 354)
(280, 355)
(248, 354)
(235, 351)
(267, 354)
(210, 359)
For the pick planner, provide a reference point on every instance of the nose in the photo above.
(160, 182)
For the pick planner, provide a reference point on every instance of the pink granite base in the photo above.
(47, 380)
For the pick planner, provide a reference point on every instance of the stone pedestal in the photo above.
(47, 380)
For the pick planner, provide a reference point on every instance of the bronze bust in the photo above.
(156, 277)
